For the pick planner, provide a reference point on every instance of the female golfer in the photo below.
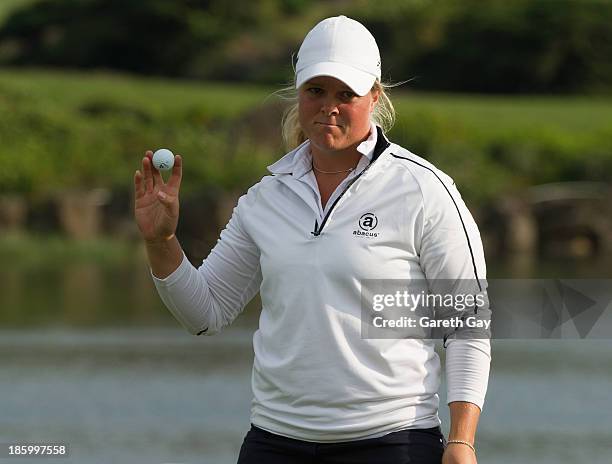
(344, 205)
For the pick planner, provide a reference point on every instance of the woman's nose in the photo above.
(330, 107)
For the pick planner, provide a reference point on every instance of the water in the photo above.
(161, 395)
(134, 396)
(89, 356)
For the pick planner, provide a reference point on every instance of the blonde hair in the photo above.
(293, 135)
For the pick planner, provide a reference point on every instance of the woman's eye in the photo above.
(347, 95)
(314, 90)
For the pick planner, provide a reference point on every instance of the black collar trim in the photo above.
(382, 143)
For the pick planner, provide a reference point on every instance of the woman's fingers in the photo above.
(177, 173)
(148, 174)
(157, 178)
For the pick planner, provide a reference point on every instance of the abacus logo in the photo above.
(367, 223)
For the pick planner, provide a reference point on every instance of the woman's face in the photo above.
(332, 116)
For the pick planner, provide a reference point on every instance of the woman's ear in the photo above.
(375, 96)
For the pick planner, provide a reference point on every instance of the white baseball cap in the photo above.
(343, 48)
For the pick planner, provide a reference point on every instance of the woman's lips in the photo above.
(327, 124)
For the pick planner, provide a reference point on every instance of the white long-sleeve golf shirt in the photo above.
(315, 377)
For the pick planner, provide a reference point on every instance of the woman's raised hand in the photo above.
(156, 204)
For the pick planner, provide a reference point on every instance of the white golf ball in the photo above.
(163, 159)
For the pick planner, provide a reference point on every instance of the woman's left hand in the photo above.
(458, 454)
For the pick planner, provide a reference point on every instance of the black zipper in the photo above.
(317, 230)
(381, 145)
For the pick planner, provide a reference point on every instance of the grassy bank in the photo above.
(79, 130)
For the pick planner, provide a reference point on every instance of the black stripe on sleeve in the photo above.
(462, 224)
(458, 212)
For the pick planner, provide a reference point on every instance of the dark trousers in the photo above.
(415, 446)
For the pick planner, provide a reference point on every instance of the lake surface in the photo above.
(89, 356)
(162, 395)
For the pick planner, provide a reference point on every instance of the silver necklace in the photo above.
(331, 172)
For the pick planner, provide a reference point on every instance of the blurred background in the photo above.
(512, 99)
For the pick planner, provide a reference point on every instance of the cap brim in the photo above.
(359, 81)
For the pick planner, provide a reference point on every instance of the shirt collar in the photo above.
(299, 160)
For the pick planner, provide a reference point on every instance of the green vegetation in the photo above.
(497, 46)
(69, 130)
(7, 7)
(80, 130)
(496, 145)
